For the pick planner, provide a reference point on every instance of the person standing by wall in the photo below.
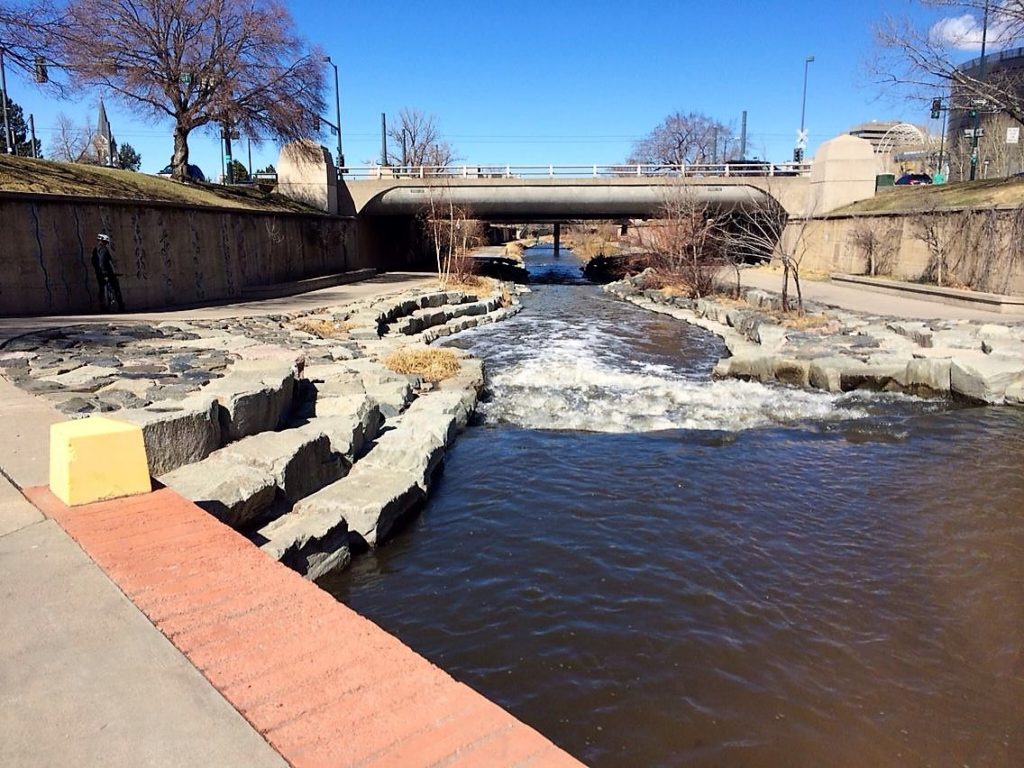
(103, 264)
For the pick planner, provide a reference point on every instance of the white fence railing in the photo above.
(575, 171)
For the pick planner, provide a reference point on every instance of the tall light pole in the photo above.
(801, 138)
(976, 111)
(337, 111)
(8, 136)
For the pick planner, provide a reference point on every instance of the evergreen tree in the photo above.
(19, 127)
(238, 173)
(127, 158)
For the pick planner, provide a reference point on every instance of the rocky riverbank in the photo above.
(839, 351)
(290, 428)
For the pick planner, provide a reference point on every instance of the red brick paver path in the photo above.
(324, 686)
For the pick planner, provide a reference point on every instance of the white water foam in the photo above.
(567, 386)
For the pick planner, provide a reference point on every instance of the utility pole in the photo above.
(337, 112)
(743, 135)
(383, 139)
(801, 139)
(8, 138)
(977, 112)
(32, 131)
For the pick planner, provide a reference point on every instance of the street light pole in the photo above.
(977, 112)
(337, 111)
(8, 137)
(801, 141)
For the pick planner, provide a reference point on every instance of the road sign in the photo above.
(1013, 135)
(801, 139)
(970, 133)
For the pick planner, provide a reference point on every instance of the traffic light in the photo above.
(973, 113)
(316, 123)
(936, 109)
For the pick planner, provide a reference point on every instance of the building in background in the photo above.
(102, 143)
(1000, 147)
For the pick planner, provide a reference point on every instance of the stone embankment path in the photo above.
(90, 679)
(840, 350)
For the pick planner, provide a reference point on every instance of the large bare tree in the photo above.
(925, 60)
(419, 135)
(684, 139)
(224, 64)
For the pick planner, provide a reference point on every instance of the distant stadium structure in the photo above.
(1000, 143)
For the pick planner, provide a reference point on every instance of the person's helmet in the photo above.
(104, 238)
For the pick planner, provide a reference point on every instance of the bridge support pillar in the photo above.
(558, 238)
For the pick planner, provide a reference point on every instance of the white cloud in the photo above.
(960, 32)
(964, 32)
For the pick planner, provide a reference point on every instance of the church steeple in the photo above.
(104, 137)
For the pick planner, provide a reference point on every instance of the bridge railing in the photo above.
(696, 170)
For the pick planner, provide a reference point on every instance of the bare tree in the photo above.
(684, 242)
(925, 61)
(934, 229)
(439, 219)
(763, 230)
(877, 245)
(416, 138)
(226, 63)
(70, 143)
(683, 139)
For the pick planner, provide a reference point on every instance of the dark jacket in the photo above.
(102, 261)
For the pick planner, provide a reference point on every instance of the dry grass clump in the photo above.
(471, 284)
(803, 322)
(322, 327)
(515, 250)
(427, 363)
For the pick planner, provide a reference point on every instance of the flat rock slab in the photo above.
(234, 493)
(368, 503)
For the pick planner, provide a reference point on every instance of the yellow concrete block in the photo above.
(97, 458)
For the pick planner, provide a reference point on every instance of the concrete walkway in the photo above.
(872, 302)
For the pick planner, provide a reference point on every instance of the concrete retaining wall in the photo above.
(982, 249)
(168, 254)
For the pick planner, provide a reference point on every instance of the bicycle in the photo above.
(108, 297)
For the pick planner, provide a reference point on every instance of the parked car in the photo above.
(913, 179)
(194, 173)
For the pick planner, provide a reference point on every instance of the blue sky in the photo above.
(563, 82)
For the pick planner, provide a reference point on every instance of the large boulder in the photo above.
(177, 432)
(300, 461)
(367, 506)
(255, 396)
(982, 377)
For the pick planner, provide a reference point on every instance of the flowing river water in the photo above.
(654, 569)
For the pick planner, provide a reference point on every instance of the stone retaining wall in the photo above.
(167, 254)
(983, 248)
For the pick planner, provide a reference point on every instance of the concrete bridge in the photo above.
(387, 201)
(520, 199)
